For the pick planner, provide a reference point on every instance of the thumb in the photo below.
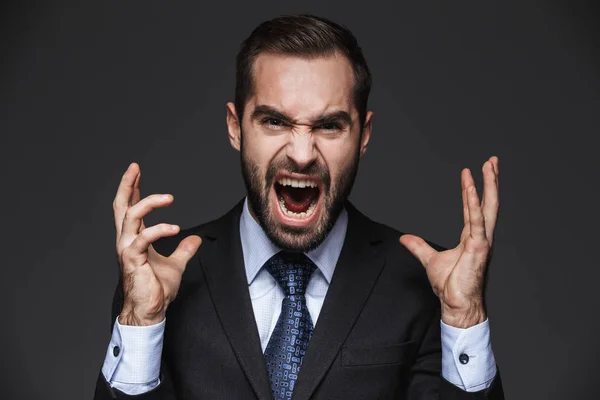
(187, 248)
(418, 247)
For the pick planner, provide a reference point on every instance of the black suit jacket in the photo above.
(377, 337)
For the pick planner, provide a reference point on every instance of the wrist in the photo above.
(130, 317)
(464, 318)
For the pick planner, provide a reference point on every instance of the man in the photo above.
(294, 292)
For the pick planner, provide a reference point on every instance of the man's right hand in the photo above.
(150, 280)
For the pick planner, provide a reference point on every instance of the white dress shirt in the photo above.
(132, 362)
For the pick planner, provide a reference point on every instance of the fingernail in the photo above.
(166, 196)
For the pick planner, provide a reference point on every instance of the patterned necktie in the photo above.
(294, 328)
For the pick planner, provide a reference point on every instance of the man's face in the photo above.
(300, 142)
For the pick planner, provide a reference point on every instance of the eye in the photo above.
(272, 122)
(332, 126)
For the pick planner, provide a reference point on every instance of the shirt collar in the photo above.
(257, 248)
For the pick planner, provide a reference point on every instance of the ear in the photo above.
(233, 126)
(366, 132)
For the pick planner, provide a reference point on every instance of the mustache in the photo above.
(313, 169)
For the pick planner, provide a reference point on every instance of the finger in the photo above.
(135, 197)
(497, 171)
(134, 214)
(137, 249)
(186, 250)
(466, 231)
(464, 235)
(419, 248)
(464, 203)
(496, 161)
(466, 181)
(489, 168)
(123, 197)
(473, 213)
(490, 203)
(476, 221)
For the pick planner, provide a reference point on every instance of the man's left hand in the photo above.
(457, 275)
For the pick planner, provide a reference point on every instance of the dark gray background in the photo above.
(86, 89)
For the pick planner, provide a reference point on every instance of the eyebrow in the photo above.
(267, 111)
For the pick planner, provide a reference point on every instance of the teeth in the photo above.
(301, 215)
(296, 183)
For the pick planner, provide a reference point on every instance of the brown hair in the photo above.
(307, 36)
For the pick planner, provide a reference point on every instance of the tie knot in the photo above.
(291, 270)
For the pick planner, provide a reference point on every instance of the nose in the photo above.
(301, 148)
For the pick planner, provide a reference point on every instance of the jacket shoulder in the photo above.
(383, 233)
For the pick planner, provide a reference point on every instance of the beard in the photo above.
(294, 238)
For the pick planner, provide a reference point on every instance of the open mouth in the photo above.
(297, 198)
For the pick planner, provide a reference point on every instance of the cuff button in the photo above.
(463, 358)
(116, 351)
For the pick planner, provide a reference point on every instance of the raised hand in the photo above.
(457, 275)
(150, 280)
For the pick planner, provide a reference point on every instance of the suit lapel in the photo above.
(356, 272)
(222, 261)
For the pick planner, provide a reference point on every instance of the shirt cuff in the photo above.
(132, 362)
(467, 358)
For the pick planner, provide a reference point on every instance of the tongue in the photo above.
(298, 199)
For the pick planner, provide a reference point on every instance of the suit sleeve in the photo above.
(426, 380)
(164, 391)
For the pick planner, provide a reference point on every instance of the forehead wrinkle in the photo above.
(293, 85)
